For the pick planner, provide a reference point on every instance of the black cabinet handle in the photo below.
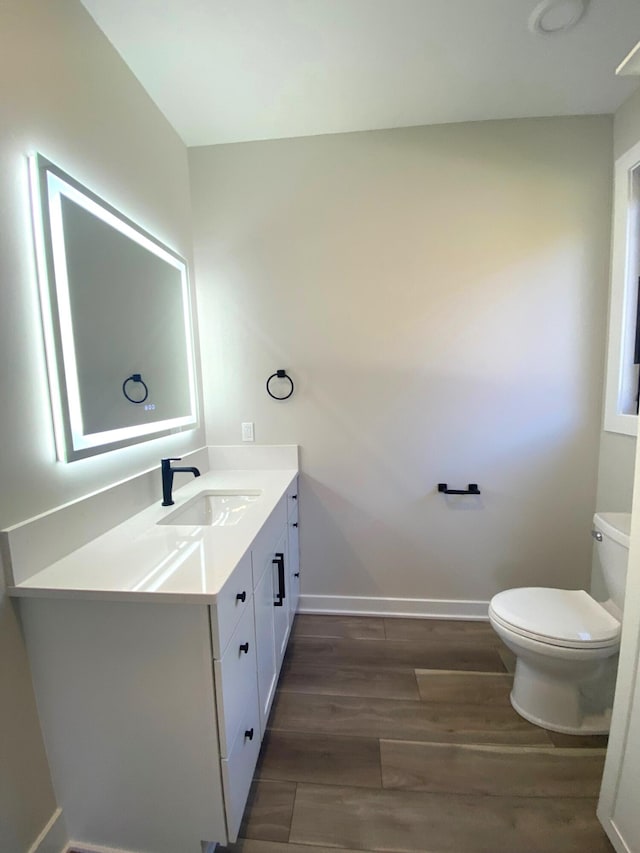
(245, 648)
(294, 497)
(472, 490)
(296, 574)
(279, 562)
(278, 602)
(241, 596)
(295, 524)
(249, 734)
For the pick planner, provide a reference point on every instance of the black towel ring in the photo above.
(135, 377)
(280, 374)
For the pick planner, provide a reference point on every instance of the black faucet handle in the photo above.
(172, 459)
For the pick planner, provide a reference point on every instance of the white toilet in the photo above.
(566, 643)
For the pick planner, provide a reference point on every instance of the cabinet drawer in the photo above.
(236, 681)
(237, 770)
(233, 600)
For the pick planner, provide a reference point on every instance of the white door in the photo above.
(626, 818)
(620, 794)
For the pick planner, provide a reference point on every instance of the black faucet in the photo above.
(167, 478)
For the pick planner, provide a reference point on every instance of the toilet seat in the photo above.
(557, 617)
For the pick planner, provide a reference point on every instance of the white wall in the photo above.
(66, 93)
(439, 295)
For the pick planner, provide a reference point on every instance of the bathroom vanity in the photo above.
(155, 651)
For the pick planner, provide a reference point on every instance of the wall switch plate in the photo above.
(247, 431)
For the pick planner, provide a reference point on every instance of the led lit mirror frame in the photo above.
(117, 321)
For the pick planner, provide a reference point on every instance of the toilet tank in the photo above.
(613, 551)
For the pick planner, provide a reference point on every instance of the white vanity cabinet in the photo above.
(153, 710)
(127, 704)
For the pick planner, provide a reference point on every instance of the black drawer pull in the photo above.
(294, 497)
(280, 595)
(245, 648)
(472, 490)
(249, 734)
(295, 524)
(296, 574)
(241, 596)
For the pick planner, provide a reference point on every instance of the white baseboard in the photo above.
(420, 608)
(97, 848)
(92, 848)
(53, 838)
(617, 841)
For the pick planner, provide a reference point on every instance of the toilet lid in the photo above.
(567, 617)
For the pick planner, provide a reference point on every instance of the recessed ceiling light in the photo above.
(556, 16)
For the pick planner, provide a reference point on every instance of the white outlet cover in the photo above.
(247, 431)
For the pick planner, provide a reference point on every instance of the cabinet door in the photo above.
(294, 568)
(281, 603)
(264, 597)
(293, 549)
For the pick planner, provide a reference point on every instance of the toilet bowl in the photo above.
(566, 643)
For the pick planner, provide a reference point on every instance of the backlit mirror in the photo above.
(117, 320)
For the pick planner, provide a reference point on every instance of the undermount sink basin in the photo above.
(214, 509)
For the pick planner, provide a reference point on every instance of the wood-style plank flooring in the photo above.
(398, 734)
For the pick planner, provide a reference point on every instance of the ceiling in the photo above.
(236, 70)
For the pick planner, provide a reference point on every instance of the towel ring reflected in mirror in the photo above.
(137, 378)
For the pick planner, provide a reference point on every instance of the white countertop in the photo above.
(143, 560)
